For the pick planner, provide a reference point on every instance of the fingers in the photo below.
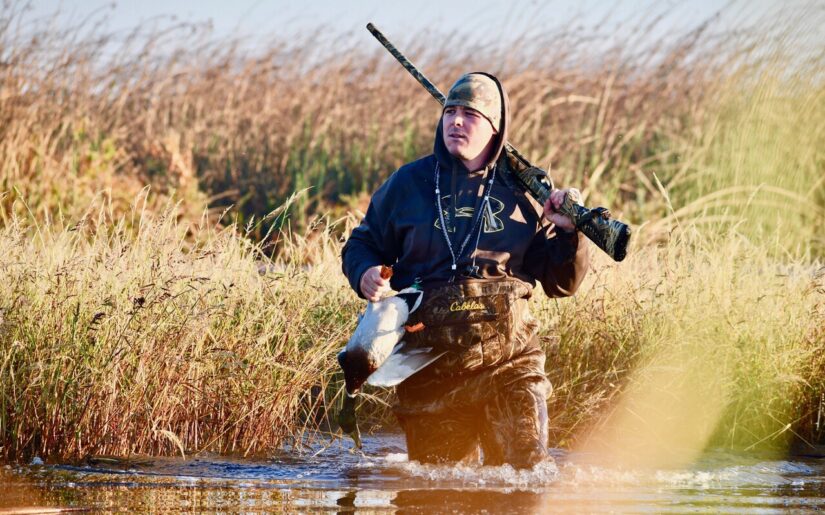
(373, 285)
(551, 210)
(562, 222)
(554, 201)
(557, 198)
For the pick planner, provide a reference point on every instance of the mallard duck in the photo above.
(375, 353)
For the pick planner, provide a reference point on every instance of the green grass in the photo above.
(713, 317)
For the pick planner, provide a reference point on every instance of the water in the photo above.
(333, 478)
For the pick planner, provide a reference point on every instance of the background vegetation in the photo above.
(135, 319)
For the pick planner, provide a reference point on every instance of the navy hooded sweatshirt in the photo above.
(402, 227)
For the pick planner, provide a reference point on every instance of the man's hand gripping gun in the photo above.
(611, 236)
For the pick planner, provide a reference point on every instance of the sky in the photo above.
(262, 19)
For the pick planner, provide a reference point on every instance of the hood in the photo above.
(440, 148)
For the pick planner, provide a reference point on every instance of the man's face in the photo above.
(466, 132)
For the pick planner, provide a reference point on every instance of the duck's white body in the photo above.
(377, 338)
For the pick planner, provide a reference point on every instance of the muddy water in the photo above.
(332, 478)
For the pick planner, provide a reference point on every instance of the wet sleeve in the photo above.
(373, 241)
(558, 260)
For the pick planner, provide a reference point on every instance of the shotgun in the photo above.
(612, 236)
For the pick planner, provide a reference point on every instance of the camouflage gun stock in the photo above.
(612, 236)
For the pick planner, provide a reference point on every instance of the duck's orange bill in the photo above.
(414, 328)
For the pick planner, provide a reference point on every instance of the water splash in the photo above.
(383, 477)
(503, 476)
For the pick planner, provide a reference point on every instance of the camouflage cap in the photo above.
(480, 92)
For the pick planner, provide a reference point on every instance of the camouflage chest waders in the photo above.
(490, 387)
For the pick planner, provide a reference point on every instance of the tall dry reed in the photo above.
(121, 336)
(727, 340)
(221, 125)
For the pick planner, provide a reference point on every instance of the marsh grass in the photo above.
(119, 340)
(743, 330)
(216, 124)
(139, 323)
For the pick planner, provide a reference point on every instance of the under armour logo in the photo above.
(492, 222)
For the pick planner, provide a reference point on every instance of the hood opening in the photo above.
(448, 161)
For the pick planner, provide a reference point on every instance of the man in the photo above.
(456, 223)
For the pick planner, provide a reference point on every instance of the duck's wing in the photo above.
(403, 361)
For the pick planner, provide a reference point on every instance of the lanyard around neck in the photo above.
(477, 216)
